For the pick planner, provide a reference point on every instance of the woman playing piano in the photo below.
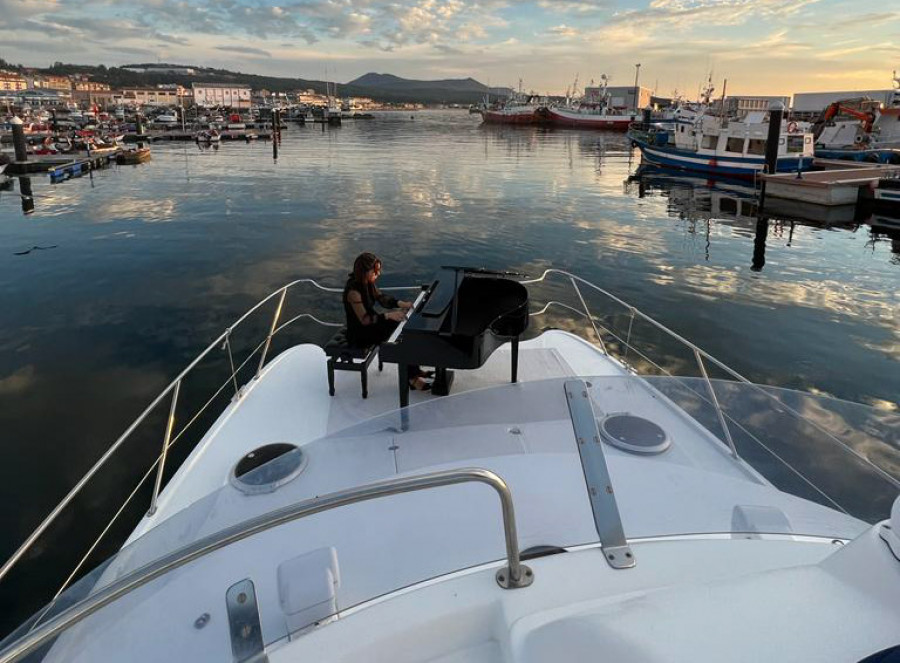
(367, 327)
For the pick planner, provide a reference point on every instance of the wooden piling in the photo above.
(776, 114)
(19, 142)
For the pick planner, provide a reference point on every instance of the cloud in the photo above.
(564, 31)
(248, 50)
(582, 7)
(544, 41)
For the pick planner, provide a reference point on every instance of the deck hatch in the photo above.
(634, 434)
(267, 468)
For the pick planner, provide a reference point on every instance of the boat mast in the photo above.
(722, 110)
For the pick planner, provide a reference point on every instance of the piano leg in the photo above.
(443, 380)
(515, 359)
(403, 383)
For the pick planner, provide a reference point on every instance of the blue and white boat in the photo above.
(712, 144)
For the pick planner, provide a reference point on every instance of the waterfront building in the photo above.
(738, 105)
(90, 86)
(161, 95)
(363, 103)
(620, 96)
(11, 81)
(815, 102)
(37, 81)
(86, 92)
(228, 95)
(311, 98)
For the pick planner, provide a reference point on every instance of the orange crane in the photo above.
(867, 117)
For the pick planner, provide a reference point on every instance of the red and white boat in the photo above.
(588, 117)
(519, 108)
(593, 111)
(511, 113)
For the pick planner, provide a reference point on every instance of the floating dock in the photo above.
(191, 136)
(62, 166)
(839, 182)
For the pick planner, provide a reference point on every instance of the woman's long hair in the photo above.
(363, 263)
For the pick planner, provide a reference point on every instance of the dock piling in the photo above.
(19, 143)
(275, 134)
(776, 114)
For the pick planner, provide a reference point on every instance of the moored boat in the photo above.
(591, 117)
(133, 156)
(519, 108)
(713, 144)
(512, 114)
(616, 508)
(208, 136)
(592, 110)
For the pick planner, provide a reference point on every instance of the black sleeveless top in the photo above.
(357, 332)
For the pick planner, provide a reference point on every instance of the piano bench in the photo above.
(344, 357)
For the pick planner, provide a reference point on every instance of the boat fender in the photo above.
(792, 127)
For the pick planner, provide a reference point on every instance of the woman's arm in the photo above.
(359, 310)
(386, 300)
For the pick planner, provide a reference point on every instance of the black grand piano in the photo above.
(458, 321)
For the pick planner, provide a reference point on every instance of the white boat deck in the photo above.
(290, 403)
(740, 532)
(737, 601)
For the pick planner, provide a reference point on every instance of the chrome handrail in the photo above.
(222, 340)
(514, 575)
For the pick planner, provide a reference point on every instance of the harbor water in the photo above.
(118, 279)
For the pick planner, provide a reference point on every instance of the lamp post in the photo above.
(637, 95)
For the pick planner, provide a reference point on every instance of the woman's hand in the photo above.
(405, 305)
(396, 315)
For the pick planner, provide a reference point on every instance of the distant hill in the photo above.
(465, 90)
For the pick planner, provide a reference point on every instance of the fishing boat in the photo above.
(591, 117)
(593, 110)
(576, 495)
(208, 136)
(518, 108)
(714, 144)
(511, 113)
(859, 129)
(134, 156)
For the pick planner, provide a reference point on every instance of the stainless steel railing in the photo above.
(513, 576)
(223, 341)
(700, 356)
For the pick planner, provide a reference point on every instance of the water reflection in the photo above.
(26, 194)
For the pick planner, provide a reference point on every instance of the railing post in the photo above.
(227, 346)
(262, 359)
(170, 425)
(589, 316)
(628, 338)
(712, 393)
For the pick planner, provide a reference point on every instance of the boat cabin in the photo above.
(711, 136)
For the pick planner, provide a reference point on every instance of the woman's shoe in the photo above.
(425, 374)
(418, 384)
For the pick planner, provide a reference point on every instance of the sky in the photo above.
(759, 46)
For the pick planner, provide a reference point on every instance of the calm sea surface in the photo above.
(116, 281)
